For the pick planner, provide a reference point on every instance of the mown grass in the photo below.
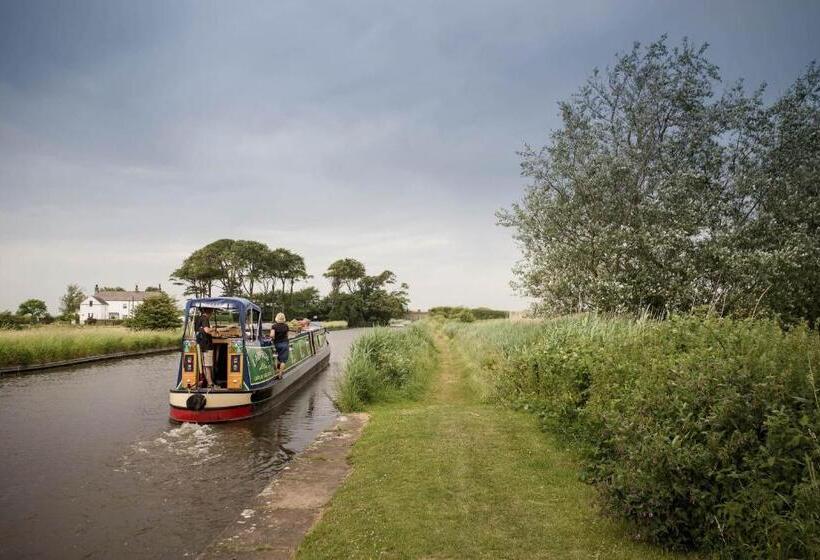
(701, 431)
(386, 365)
(448, 476)
(54, 343)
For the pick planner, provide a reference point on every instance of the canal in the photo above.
(91, 467)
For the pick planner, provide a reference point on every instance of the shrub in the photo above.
(157, 312)
(701, 431)
(385, 365)
(8, 320)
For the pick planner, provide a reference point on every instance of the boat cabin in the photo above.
(243, 355)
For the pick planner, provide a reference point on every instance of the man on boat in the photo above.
(205, 340)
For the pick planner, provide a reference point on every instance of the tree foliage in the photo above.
(239, 268)
(659, 193)
(345, 272)
(70, 302)
(157, 312)
(369, 299)
(34, 308)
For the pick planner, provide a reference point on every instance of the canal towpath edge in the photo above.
(276, 522)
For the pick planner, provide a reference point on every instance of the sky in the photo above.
(133, 133)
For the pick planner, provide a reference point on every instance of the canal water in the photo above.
(91, 467)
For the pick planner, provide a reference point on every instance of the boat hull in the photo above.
(230, 406)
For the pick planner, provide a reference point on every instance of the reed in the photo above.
(54, 343)
(702, 431)
(386, 365)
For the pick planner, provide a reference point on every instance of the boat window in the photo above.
(225, 319)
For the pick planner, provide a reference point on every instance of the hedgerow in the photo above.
(702, 431)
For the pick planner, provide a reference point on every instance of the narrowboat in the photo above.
(246, 382)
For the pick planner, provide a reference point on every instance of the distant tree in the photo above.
(153, 289)
(369, 299)
(110, 289)
(34, 308)
(156, 312)
(345, 272)
(239, 267)
(70, 302)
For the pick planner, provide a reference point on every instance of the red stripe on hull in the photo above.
(211, 415)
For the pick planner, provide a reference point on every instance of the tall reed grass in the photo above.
(386, 365)
(54, 343)
(702, 431)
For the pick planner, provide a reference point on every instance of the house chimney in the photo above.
(136, 287)
(96, 288)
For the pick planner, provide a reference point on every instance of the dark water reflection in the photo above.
(90, 466)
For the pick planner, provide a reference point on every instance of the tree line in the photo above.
(269, 277)
(658, 193)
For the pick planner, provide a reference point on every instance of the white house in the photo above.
(111, 305)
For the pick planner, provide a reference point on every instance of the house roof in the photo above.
(122, 296)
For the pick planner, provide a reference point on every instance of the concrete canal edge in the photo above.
(13, 370)
(281, 515)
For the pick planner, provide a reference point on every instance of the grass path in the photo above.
(448, 477)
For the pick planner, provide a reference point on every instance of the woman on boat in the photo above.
(280, 342)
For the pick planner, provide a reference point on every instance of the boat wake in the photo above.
(194, 444)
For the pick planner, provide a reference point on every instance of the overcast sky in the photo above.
(133, 133)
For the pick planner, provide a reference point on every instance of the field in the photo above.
(55, 343)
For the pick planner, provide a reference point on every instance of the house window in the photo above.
(90, 302)
(125, 306)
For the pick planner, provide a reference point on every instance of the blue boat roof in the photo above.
(222, 302)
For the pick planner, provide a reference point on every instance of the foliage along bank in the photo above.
(702, 431)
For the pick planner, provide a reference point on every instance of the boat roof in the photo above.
(222, 303)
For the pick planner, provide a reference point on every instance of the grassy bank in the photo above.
(387, 365)
(55, 343)
(701, 432)
(447, 476)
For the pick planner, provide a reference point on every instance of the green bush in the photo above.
(157, 312)
(385, 365)
(701, 431)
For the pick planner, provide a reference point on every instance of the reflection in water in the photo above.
(92, 468)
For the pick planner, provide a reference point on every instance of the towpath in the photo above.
(450, 477)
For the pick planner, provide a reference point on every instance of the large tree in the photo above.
(653, 193)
